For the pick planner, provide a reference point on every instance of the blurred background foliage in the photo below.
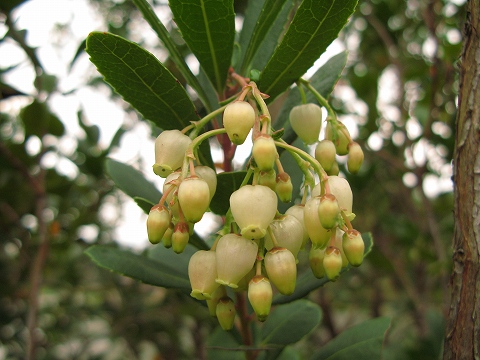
(397, 97)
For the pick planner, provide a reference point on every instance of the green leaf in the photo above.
(254, 32)
(227, 183)
(141, 80)
(315, 25)
(307, 282)
(273, 37)
(287, 324)
(208, 28)
(176, 262)
(363, 342)
(132, 182)
(222, 345)
(172, 48)
(138, 267)
(296, 175)
(38, 120)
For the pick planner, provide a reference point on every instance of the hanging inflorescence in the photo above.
(258, 246)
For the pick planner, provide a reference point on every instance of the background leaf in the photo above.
(208, 28)
(266, 13)
(362, 342)
(287, 324)
(307, 282)
(315, 25)
(132, 182)
(141, 80)
(227, 183)
(163, 34)
(139, 267)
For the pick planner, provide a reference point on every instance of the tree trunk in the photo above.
(463, 327)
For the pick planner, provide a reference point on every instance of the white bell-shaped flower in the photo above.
(235, 257)
(170, 147)
(288, 233)
(253, 208)
(202, 272)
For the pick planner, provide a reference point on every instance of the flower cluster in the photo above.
(258, 247)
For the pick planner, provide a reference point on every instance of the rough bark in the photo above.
(463, 327)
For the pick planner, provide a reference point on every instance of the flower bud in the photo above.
(253, 208)
(260, 296)
(264, 152)
(288, 233)
(332, 263)
(325, 153)
(328, 211)
(210, 176)
(167, 237)
(281, 269)
(317, 233)
(267, 178)
(235, 256)
(341, 189)
(354, 247)
(158, 221)
(226, 313)
(337, 134)
(194, 198)
(284, 188)
(202, 272)
(355, 157)
(219, 293)
(339, 245)
(315, 257)
(180, 237)
(170, 147)
(298, 211)
(238, 120)
(335, 170)
(306, 121)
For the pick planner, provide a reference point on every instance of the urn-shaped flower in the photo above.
(170, 147)
(253, 208)
(235, 256)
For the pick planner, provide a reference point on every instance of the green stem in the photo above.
(331, 114)
(204, 121)
(315, 164)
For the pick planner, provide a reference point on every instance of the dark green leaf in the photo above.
(287, 324)
(80, 51)
(227, 183)
(362, 342)
(222, 345)
(273, 37)
(208, 28)
(141, 80)
(172, 48)
(254, 32)
(38, 120)
(132, 182)
(307, 282)
(315, 25)
(323, 81)
(171, 260)
(296, 175)
(138, 267)
(92, 131)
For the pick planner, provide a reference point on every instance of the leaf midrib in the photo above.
(210, 46)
